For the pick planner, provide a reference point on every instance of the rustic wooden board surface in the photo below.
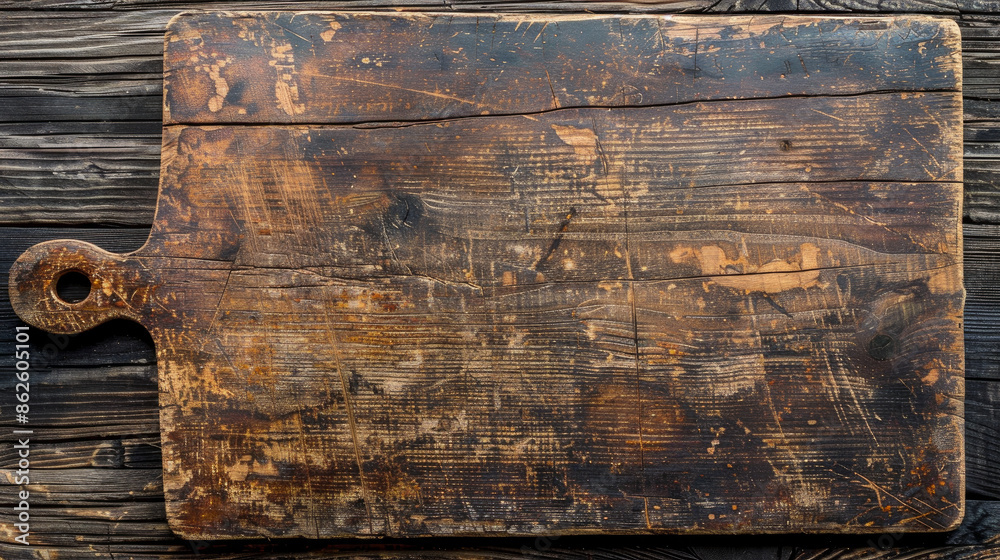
(536, 314)
(79, 154)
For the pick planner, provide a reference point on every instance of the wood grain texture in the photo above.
(135, 189)
(95, 68)
(962, 7)
(541, 317)
(982, 280)
(357, 67)
(101, 532)
(981, 434)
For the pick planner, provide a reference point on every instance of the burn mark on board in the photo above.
(563, 227)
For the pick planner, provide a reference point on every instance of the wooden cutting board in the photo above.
(440, 274)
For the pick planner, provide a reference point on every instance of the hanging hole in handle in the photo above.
(73, 286)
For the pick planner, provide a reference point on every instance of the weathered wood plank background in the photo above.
(79, 158)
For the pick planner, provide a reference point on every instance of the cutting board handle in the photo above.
(119, 286)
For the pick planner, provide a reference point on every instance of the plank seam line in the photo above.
(527, 114)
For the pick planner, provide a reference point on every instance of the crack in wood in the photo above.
(376, 124)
